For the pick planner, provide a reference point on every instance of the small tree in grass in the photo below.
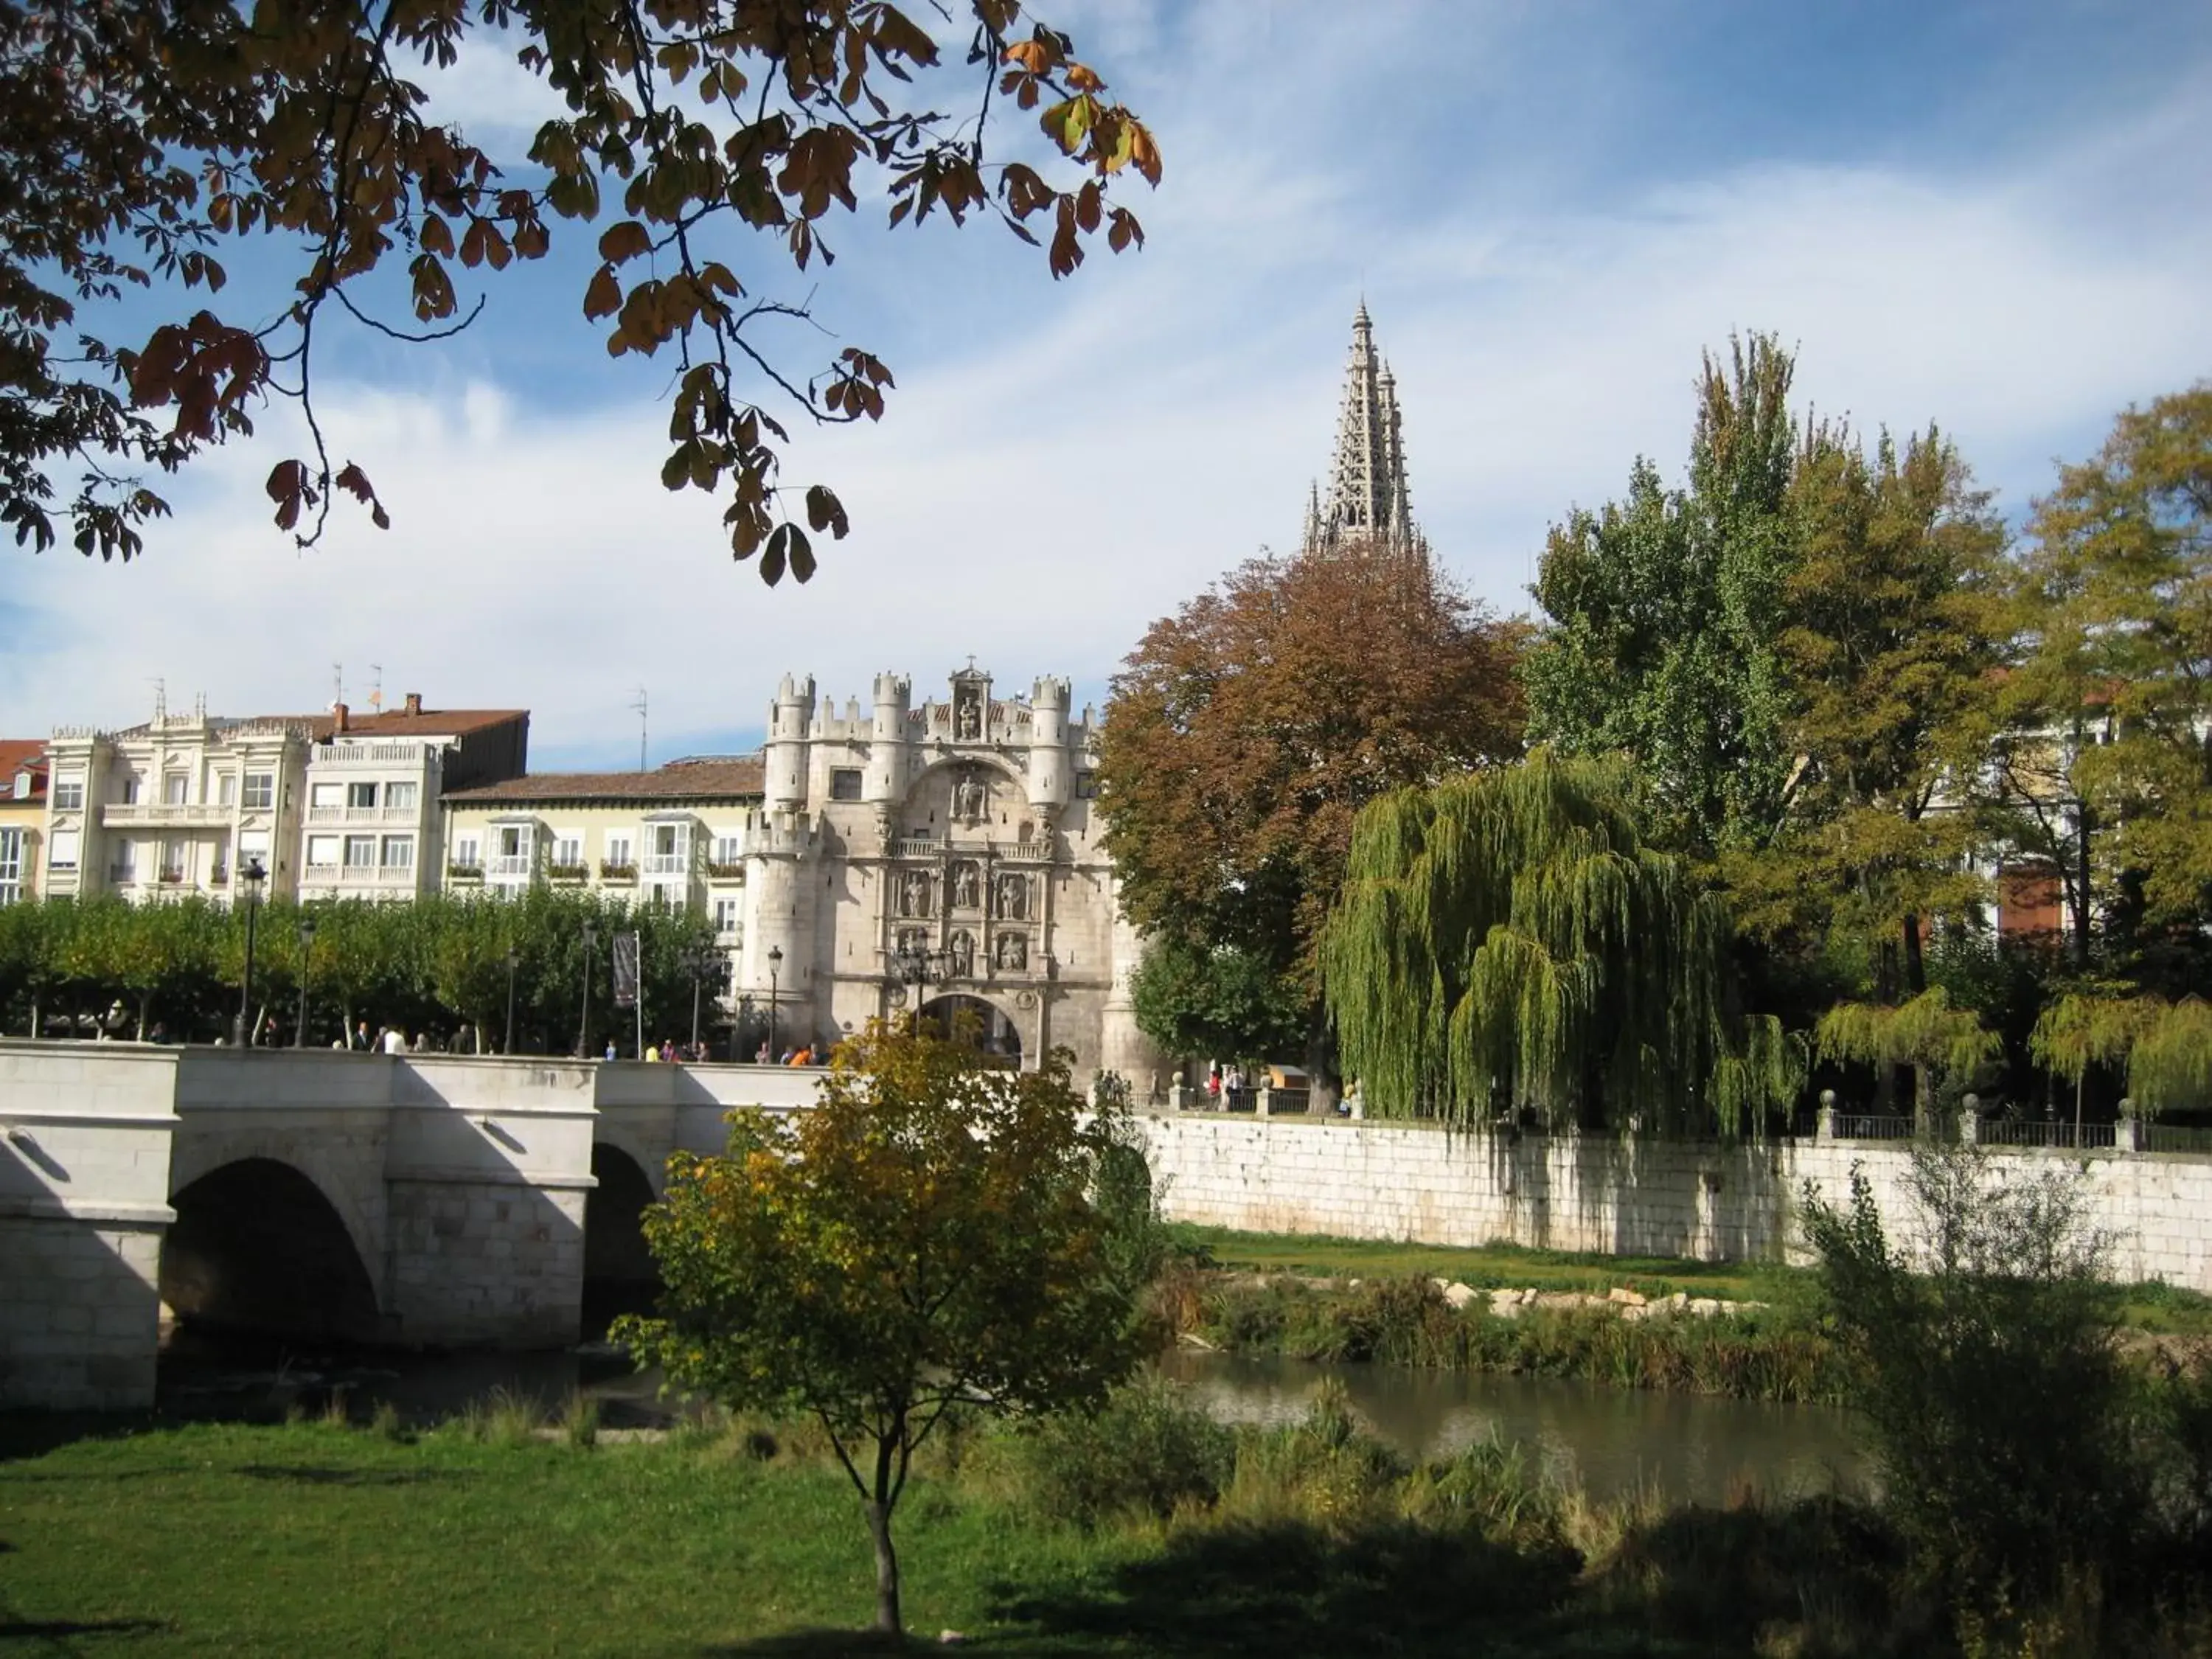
(924, 1238)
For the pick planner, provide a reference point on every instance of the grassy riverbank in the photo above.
(1149, 1532)
(2153, 1308)
(1357, 1299)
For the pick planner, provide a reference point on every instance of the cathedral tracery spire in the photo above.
(1367, 495)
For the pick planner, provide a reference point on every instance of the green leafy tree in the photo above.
(1664, 615)
(923, 1239)
(1222, 1001)
(1892, 621)
(2104, 757)
(1511, 936)
(144, 135)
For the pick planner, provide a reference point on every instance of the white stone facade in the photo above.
(963, 827)
(175, 806)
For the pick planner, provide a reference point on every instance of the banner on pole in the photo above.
(625, 959)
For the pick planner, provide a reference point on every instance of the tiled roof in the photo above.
(22, 754)
(398, 723)
(726, 777)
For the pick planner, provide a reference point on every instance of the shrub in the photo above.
(1143, 1452)
(1990, 1376)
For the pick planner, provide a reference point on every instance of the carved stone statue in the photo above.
(1014, 898)
(966, 886)
(1013, 950)
(912, 941)
(964, 954)
(914, 894)
(967, 798)
(970, 719)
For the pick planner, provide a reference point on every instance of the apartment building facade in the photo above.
(323, 805)
(375, 825)
(175, 806)
(674, 837)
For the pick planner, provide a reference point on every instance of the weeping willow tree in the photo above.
(2166, 1046)
(1509, 937)
(1943, 1045)
(2084, 1029)
(2171, 1065)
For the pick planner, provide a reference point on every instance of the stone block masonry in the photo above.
(1622, 1197)
(481, 1262)
(78, 1312)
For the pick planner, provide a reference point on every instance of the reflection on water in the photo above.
(1689, 1447)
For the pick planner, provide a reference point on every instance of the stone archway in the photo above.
(620, 1275)
(257, 1249)
(996, 1033)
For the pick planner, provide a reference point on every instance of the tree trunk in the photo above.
(1916, 962)
(879, 1529)
(37, 1024)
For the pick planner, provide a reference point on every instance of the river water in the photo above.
(1610, 1441)
(1689, 1447)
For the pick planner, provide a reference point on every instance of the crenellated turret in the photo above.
(1050, 783)
(778, 955)
(789, 725)
(887, 780)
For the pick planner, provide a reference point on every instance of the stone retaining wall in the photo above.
(1415, 1182)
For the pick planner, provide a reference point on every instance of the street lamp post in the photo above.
(512, 958)
(702, 962)
(774, 963)
(307, 959)
(916, 966)
(584, 1029)
(249, 878)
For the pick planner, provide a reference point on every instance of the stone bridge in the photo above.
(420, 1199)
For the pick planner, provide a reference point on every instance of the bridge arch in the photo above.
(259, 1247)
(347, 1174)
(620, 1275)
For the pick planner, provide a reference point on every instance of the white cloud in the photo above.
(1046, 485)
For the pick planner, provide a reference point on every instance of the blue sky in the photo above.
(1992, 217)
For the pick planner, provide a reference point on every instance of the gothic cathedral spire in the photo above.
(1367, 492)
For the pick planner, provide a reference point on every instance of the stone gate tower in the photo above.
(959, 835)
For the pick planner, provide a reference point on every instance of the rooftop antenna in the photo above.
(640, 707)
(161, 700)
(337, 684)
(376, 686)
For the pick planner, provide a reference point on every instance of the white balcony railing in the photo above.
(194, 815)
(372, 754)
(360, 875)
(509, 863)
(363, 814)
(668, 864)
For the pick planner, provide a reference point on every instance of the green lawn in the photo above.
(318, 1539)
(323, 1540)
(1507, 1265)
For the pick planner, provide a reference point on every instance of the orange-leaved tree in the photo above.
(1246, 731)
(925, 1236)
(141, 137)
